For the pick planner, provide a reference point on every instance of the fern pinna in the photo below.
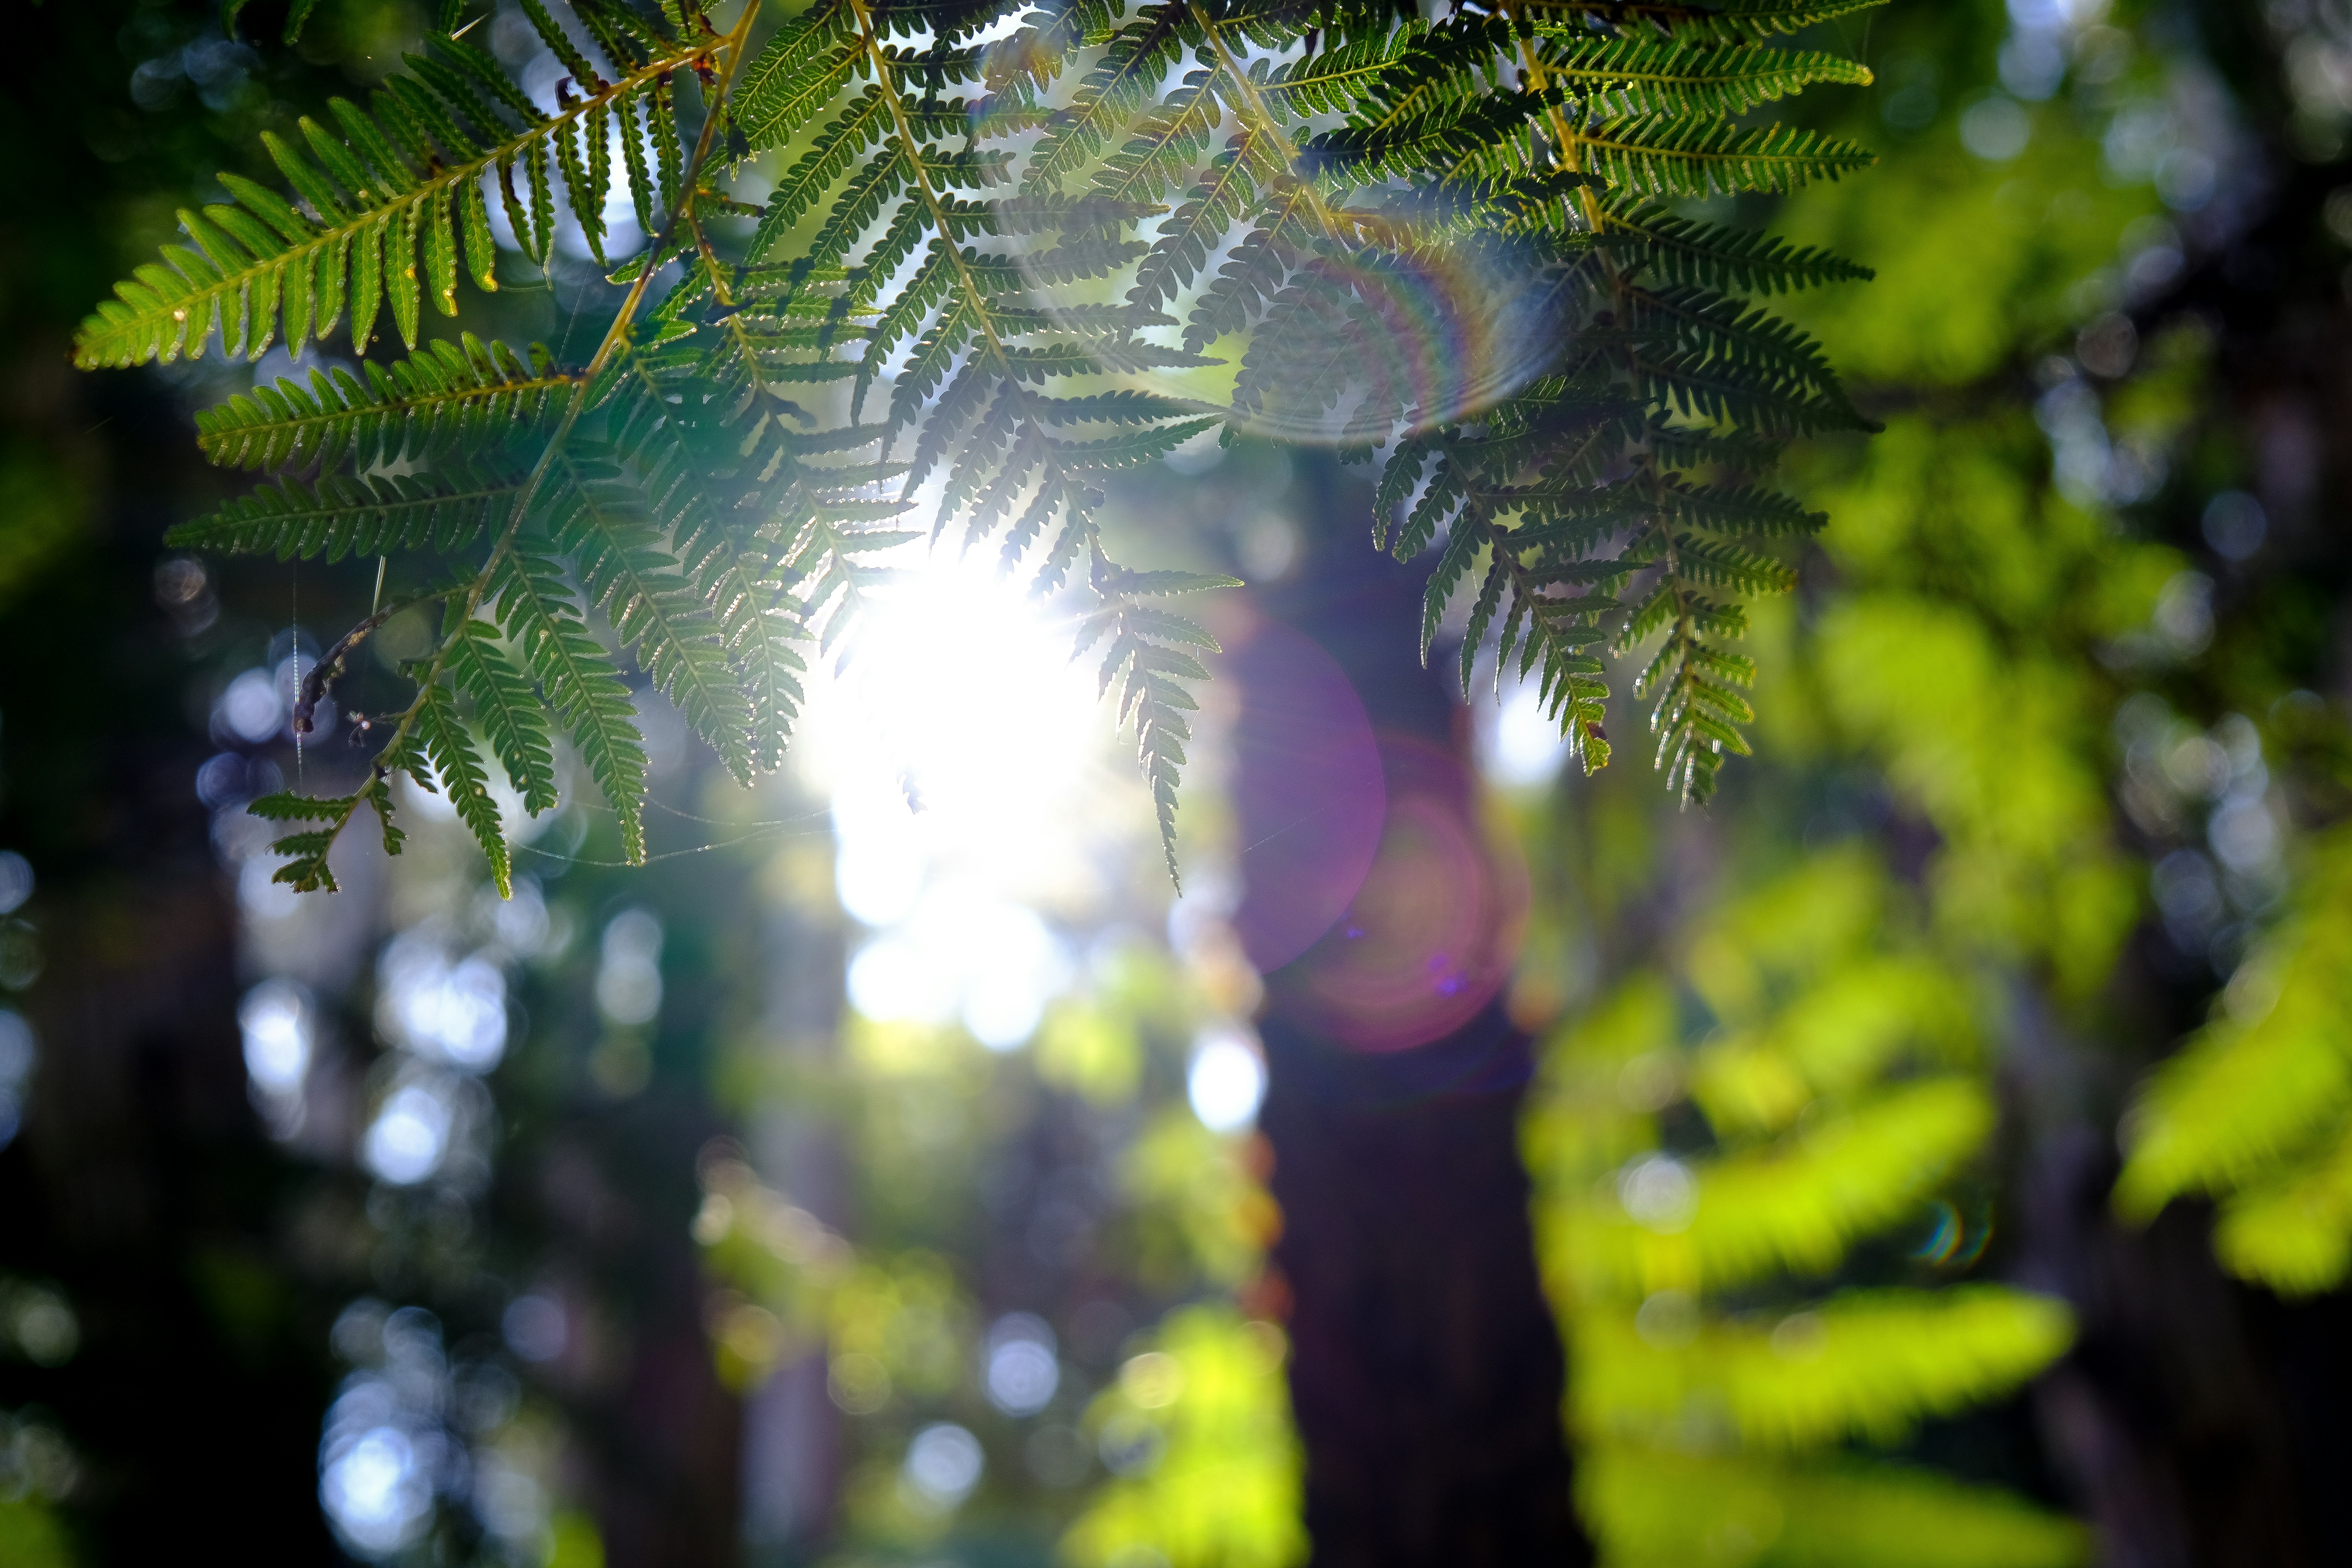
(1005, 249)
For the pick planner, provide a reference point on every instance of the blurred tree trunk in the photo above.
(141, 1184)
(1427, 1370)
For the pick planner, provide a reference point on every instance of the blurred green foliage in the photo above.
(1206, 1393)
(1192, 1415)
(1987, 632)
(2256, 1108)
(1710, 1145)
(1762, 1141)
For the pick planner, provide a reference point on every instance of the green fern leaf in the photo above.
(1661, 155)
(587, 693)
(600, 521)
(451, 398)
(1623, 76)
(1683, 251)
(456, 769)
(919, 246)
(804, 68)
(341, 515)
(261, 263)
(511, 717)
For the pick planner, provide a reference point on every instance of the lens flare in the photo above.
(1944, 1233)
(1310, 799)
(1378, 324)
(1431, 936)
(1410, 339)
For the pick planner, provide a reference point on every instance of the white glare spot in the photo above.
(444, 1012)
(1667, 1320)
(275, 1023)
(1019, 966)
(943, 1463)
(2033, 65)
(251, 708)
(1022, 1372)
(511, 1503)
(520, 921)
(374, 1492)
(409, 1136)
(1521, 745)
(963, 809)
(260, 894)
(1226, 1082)
(963, 954)
(2185, 179)
(2184, 612)
(2244, 836)
(44, 1328)
(879, 873)
(2235, 524)
(889, 980)
(1658, 1192)
(2050, 15)
(628, 979)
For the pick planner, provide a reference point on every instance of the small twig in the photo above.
(330, 668)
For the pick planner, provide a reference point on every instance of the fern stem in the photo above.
(1269, 125)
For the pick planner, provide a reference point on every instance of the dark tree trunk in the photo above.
(1427, 1370)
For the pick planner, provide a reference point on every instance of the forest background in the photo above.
(1938, 1144)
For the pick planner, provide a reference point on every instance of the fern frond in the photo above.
(1868, 1364)
(1334, 81)
(1109, 96)
(451, 398)
(1659, 155)
(445, 510)
(306, 869)
(1735, 21)
(1677, 250)
(2256, 1090)
(1736, 362)
(1624, 76)
(512, 718)
(2291, 1230)
(804, 69)
(599, 521)
(993, 241)
(587, 693)
(407, 174)
(1637, 1498)
(1146, 661)
(448, 761)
